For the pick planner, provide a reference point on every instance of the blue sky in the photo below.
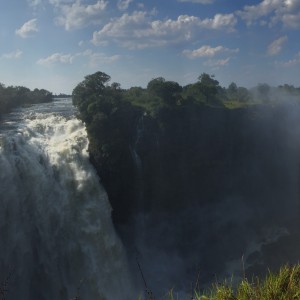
(53, 44)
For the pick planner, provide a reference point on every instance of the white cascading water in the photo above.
(56, 235)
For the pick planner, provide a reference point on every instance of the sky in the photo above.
(53, 44)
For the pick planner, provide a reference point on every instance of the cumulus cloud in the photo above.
(286, 12)
(13, 55)
(217, 63)
(34, 3)
(94, 58)
(139, 30)
(250, 13)
(198, 1)
(60, 2)
(220, 21)
(208, 51)
(276, 47)
(290, 63)
(291, 20)
(124, 4)
(57, 58)
(27, 29)
(76, 15)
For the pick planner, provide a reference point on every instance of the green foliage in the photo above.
(206, 91)
(13, 96)
(232, 89)
(290, 89)
(209, 87)
(110, 119)
(264, 92)
(192, 93)
(237, 97)
(167, 91)
(92, 86)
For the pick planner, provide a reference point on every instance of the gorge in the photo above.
(192, 188)
(201, 187)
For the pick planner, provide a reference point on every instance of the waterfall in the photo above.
(56, 234)
(137, 160)
(139, 134)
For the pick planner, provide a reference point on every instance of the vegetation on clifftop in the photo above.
(94, 95)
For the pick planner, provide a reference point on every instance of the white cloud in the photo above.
(217, 63)
(198, 1)
(291, 20)
(286, 12)
(250, 13)
(34, 3)
(124, 4)
(290, 63)
(139, 30)
(276, 46)
(77, 15)
(13, 55)
(94, 58)
(221, 21)
(97, 59)
(208, 51)
(57, 58)
(60, 2)
(27, 28)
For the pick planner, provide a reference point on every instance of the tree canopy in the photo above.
(13, 96)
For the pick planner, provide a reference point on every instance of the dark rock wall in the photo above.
(196, 155)
(195, 187)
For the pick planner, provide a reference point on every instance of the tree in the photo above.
(209, 87)
(243, 95)
(92, 85)
(264, 92)
(288, 88)
(208, 80)
(155, 86)
(232, 90)
(115, 86)
(168, 91)
(13, 96)
(236, 93)
(96, 82)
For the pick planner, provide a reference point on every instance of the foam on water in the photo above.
(56, 233)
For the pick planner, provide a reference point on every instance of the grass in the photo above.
(284, 285)
(233, 104)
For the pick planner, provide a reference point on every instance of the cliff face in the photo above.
(199, 187)
(196, 188)
(194, 156)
